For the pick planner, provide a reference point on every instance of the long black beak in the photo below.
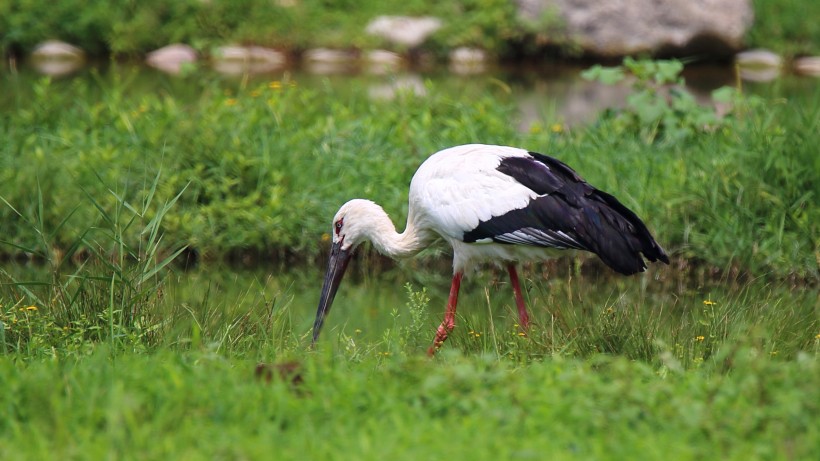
(336, 266)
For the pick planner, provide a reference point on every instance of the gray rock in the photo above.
(404, 30)
(613, 28)
(171, 58)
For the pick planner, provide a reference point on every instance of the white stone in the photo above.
(759, 58)
(759, 65)
(171, 58)
(808, 65)
(465, 55)
(382, 61)
(329, 61)
(328, 55)
(57, 58)
(235, 60)
(466, 61)
(55, 49)
(404, 30)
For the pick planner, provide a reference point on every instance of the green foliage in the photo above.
(659, 107)
(782, 25)
(487, 24)
(107, 296)
(737, 192)
(739, 185)
(249, 158)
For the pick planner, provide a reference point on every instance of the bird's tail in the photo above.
(626, 237)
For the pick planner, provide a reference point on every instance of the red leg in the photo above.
(449, 315)
(523, 317)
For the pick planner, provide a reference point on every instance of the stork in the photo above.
(492, 203)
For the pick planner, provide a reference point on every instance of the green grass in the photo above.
(781, 26)
(649, 368)
(203, 406)
(110, 351)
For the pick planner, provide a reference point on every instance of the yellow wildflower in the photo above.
(699, 338)
(230, 101)
(325, 237)
(275, 85)
(708, 302)
(31, 308)
(556, 128)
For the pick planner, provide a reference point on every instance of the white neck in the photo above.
(382, 233)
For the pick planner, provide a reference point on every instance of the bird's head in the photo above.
(350, 228)
(350, 225)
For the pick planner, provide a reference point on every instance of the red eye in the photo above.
(338, 226)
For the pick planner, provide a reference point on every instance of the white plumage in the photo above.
(492, 203)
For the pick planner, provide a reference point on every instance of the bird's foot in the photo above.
(441, 335)
(524, 321)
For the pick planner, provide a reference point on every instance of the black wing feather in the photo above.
(570, 213)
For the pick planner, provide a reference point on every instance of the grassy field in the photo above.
(111, 350)
(646, 368)
(204, 406)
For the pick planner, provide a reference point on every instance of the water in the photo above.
(552, 91)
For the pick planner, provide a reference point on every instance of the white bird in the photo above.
(492, 203)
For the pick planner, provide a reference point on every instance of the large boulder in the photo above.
(614, 28)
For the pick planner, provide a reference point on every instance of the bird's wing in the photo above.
(550, 217)
(457, 189)
(567, 212)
